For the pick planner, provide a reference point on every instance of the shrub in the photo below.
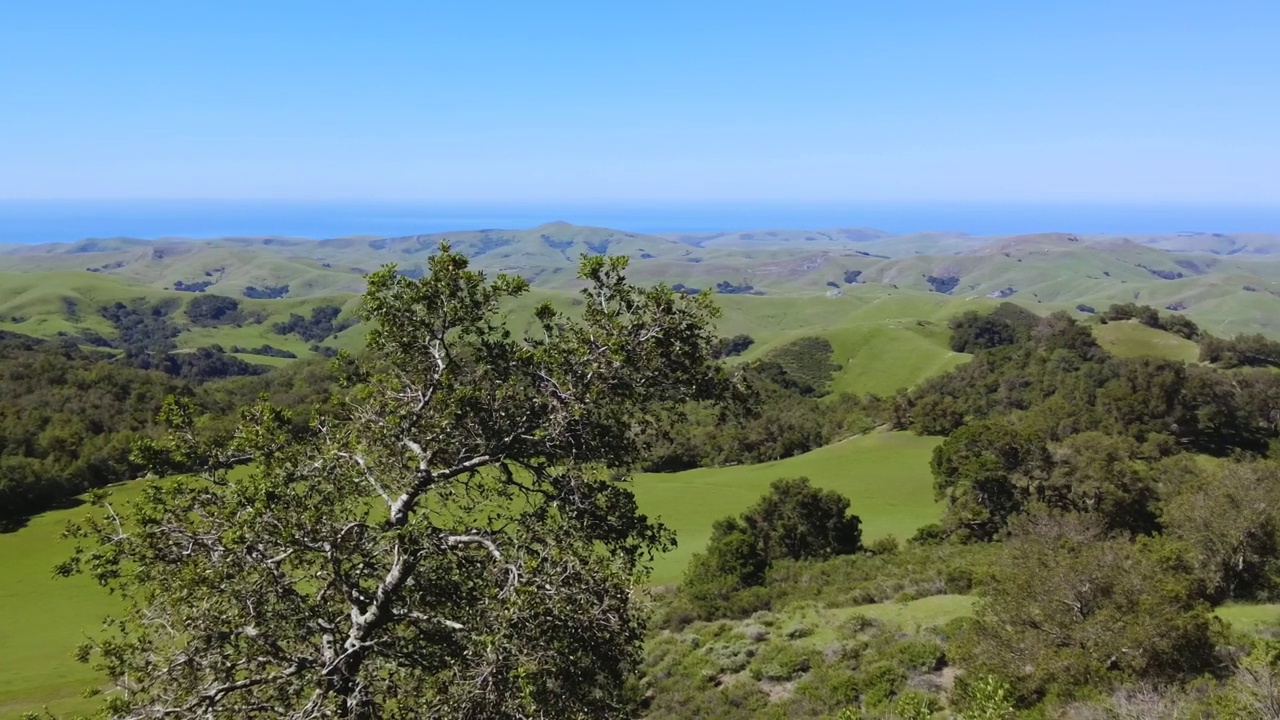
(793, 521)
(1067, 610)
(881, 683)
(780, 661)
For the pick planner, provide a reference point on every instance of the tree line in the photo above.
(69, 417)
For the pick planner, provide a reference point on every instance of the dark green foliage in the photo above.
(729, 347)
(1177, 324)
(796, 521)
(1229, 521)
(776, 417)
(1059, 383)
(451, 540)
(974, 331)
(214, 310)
(69, 418)
(269, 292)
(191, 287)
(89, 336)
(265, 351)
(987, 472)
(733, 561)
(937, 415)
(1182, 326)
(1144, 314)
(943, 284)
(67, 423)
(1068, 611)
(727, 288)
(1247, 350)
(807, 362)
(143, 328)
(322, 324)
(991, 471)
(1104, 476)
(1059, 335)
(201, 365)
(1022, 320)
(793, 521)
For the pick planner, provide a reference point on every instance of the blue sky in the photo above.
(853, 101)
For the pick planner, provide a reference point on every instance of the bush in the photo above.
(1067, 610)
(915, 705)
(793, 521)
(886, 545)
(781, 661)
(832, 685)
(881, 683)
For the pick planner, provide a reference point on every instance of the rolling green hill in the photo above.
(886, 475)
(1133, 339)
(1227, 283)
(884, 339)
(37, 667)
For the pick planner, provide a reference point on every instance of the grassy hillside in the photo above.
(45, 304)
(1053, 269)
(1133, 339)
(886, 475)
(883, 339)
(48, 618)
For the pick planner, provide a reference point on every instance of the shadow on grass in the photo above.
(14, 524)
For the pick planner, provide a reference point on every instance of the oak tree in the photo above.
(452, 541)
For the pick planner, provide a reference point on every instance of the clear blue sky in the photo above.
(857, 100)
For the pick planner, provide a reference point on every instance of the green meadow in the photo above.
(884, 475)
(1133, 339)
(48, 617)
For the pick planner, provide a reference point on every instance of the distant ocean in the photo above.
(71, 220)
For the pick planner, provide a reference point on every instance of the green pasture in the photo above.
(884, 475)
(46, 617)
(1133, 339)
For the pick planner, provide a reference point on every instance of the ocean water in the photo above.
(45, 221)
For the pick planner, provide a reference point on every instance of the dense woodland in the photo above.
(69, 417)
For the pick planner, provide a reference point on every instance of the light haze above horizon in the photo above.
(575, 102)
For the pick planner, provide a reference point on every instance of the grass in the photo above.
(885, 476)
(1133, 339)
(1250, 618)
(916, 614)
(940, 609)
(884, 338)
(882, 341)
(46, 618)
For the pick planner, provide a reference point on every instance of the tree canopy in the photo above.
(451, 541)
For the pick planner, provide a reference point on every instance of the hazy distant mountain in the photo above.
(1196, 271)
